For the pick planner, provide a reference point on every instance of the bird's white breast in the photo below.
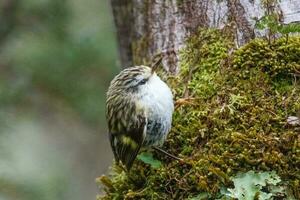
(157, 100)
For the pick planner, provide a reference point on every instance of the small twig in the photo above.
(156, 63)
(182, 101)
(186, 88)
(168, 154)
(295, 74)
(160, 56)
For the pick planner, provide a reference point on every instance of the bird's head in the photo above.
(133, 78)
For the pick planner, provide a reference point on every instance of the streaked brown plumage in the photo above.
(139, 111)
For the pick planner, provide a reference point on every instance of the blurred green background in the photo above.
(56, 60)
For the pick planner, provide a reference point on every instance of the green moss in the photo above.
(234, 121)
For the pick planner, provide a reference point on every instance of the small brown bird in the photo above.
(139, 110)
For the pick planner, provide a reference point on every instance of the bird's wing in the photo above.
(127, 138)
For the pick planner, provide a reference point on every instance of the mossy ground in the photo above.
(234, 121)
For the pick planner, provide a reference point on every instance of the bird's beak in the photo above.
(155, 65)
(154, 68)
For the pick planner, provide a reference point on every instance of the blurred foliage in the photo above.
(7, 18)
(56, 56)
(233, 120)
(58, 51)
(41, 180)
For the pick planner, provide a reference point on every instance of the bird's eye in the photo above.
(143, 81)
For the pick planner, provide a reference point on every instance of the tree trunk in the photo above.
(145, 28)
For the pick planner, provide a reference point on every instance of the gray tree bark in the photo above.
(147, 27)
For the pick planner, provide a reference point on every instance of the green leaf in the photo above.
(148, 159)
(249, 185)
